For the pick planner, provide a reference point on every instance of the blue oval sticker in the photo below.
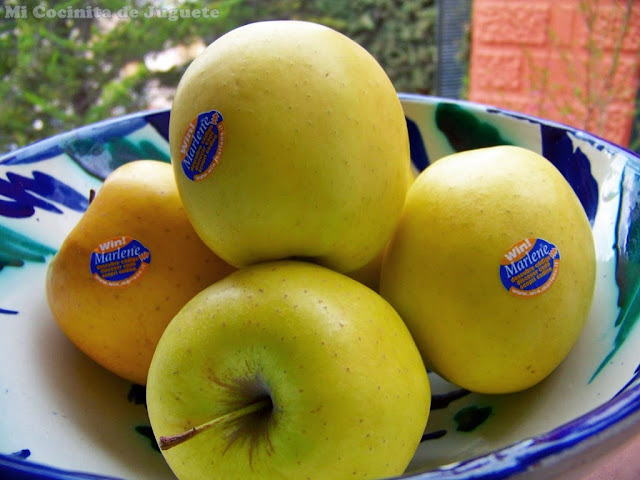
(530, 267)
(202, 145)
(119, 261)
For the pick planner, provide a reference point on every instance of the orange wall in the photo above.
(540, 57)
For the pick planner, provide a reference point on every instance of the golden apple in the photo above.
(289, 140)
(127, 267)
(287, 370)
(492, 267)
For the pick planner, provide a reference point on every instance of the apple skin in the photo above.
(350, 393)
(441, 271)
(369, 275)
(316, 150)
(119, 327)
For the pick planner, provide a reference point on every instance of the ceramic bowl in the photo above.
(63, 416)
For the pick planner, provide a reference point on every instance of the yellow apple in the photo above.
(369, 274)
(127, 267)
(492, 267)
(288, 140)
(287, 370)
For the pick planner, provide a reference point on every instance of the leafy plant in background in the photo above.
(60, 73)
(600, 89)
(596, 76)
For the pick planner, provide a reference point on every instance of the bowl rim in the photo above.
(585, 135)
(621, 413)
(551, 451)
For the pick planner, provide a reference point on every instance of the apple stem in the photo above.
(172, 440)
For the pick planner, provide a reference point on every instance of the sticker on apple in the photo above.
(530, 267)
(202, 145)
(119, 261)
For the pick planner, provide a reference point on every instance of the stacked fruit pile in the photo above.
(282, 287)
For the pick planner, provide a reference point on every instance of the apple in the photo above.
(287, 369)
(127, 267)
(369, 274)
(492, 267)
(289, 140)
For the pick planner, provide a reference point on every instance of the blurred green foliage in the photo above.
(59, 73)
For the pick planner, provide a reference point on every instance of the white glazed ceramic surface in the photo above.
(60, 412)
